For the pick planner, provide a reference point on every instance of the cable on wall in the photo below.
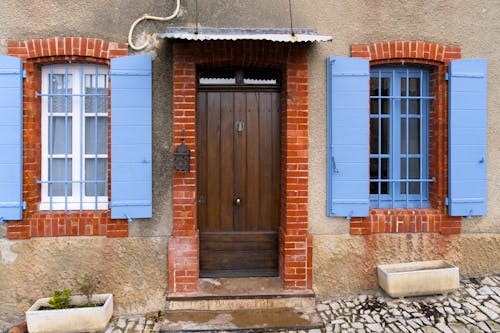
(149, 17)
(291, 18)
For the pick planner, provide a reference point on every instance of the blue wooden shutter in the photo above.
(131, 191)
(348, 153)
(467, 137)
(11, 138)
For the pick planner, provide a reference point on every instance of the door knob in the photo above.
(237, 202)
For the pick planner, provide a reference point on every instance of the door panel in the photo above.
(238, 158)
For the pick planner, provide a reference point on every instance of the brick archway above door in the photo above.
(295, 243)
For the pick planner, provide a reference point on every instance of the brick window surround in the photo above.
(36, 53)
(295, 242)
(435, 219)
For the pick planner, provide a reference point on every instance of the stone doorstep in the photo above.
(240, 294)
(249, 320)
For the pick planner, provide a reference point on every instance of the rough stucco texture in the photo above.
(347, 264)
(134, 270)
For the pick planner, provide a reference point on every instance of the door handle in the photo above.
(237, 202)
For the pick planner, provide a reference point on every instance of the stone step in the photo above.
(249, 320)
(240, 293)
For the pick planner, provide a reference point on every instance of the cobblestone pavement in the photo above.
(475, 307)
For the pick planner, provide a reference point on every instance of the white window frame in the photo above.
(73, 201)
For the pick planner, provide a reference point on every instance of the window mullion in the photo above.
(394, 149)
(96, 137)
(421, 145)
(50, 138)
(82, 138)
(66, 135)
(379, 143)
(407, 141)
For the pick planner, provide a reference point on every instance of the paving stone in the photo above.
(459, 328)
(484, 327)
(485, 290)
(413, 324)
(469, 307)
(488, 281)
(109, 329)
(492, 306)
(357, 325)
(455, 304)
(443, 328)
(479, 316)
(473, 301)
(375, 327)
(122, 322)
(430, 329)
(490, 313)
(474, 329)
(393, 327)
(495, 327)
(468, 319)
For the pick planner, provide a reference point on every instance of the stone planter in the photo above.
(87, 319)
(418, 278)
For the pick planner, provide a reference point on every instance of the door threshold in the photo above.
(234, 293)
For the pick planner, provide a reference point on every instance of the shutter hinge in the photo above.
(24, 205)
(446, 201)
(24, 73)
(446, 76)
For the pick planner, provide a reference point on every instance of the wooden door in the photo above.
(238, 175)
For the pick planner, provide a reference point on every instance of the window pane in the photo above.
(374, 136)
(96, 138)
(61, 141)
(90, 175)
(95, 104)
(413, 133)
(379, 167)
(385, 135)
(61, 84)
(374, 86)
(60, 171)
(373, 175)
(414, 90)
(374, 106)
(385, 88)
(413, 172)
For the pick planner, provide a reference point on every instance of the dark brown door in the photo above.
(238, 181)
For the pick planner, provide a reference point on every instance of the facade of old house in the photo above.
(324, 138)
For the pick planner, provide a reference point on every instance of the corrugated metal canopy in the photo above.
(275, 35)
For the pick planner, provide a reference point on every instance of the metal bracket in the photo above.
(446, 201)
(129, 219)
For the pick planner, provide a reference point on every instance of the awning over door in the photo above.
(275, 35)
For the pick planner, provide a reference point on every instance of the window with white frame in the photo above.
(74, 137)
(399, 112)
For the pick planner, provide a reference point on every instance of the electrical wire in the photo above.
(150, 17)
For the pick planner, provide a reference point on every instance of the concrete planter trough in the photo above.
(418, 278)
(88, 319)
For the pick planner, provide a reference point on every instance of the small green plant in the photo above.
(60, 299)
(88, 285)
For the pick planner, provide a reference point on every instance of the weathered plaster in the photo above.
(347, 264)
(134, 270)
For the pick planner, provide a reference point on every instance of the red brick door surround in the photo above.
(295, 242)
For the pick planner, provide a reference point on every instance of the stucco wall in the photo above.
(346, 264)
(133, 269)
(130, 266)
